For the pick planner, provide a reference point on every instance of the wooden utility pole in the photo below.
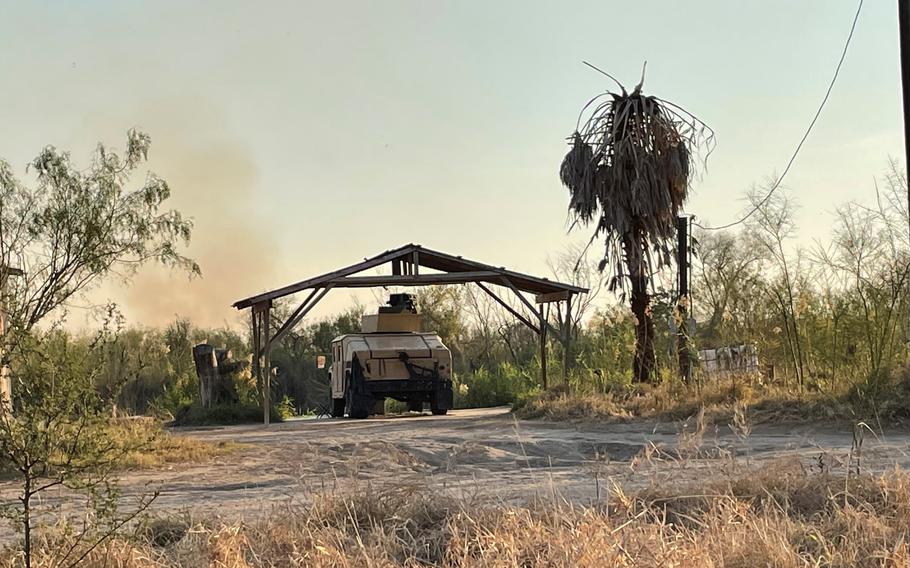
(903, 16)
(682, 304)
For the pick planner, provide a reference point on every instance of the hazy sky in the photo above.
(303, 136)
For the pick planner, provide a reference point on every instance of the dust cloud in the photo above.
(214, 180)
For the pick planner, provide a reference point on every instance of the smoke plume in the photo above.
(214, 181)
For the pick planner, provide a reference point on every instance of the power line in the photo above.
(799, 146)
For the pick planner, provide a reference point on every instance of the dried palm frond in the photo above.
(628, 170)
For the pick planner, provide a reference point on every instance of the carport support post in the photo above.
(255, 337)
(262, 354)
(267, 381)
(543, 345)
(567, 341)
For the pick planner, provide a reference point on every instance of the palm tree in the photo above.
(628, 173)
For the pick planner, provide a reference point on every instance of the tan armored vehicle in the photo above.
(390, 358)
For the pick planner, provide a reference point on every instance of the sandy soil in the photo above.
(482, 453)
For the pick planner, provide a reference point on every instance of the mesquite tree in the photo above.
(74, 226)
(628, 173)
(68, 230)
(61, 439)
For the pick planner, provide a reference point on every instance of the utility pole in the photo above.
(903, 21)
(903, 16)
(682, 304)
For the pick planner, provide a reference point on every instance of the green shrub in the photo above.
(223, 414)
(285, 408)
(393, 406)
(502, 384)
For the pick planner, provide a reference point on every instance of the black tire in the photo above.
(337, 407)
(355, 411)
(434, 408)
(415, 406)
(358, 405)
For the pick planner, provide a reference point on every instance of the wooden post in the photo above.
(682, 304)
(262, 354)
(6, 387)
(903, 17)
(543, 345)
(267, 358)
(256, 337)
(567, 341)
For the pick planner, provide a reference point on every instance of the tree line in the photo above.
(827, 316)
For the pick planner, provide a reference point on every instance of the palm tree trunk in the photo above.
(643, 365)
(644, 329)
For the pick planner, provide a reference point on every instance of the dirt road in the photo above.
(488, 452)
(483, 453)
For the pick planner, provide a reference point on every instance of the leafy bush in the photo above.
(285, 408)
(223, 414)
(496, 386)
(393, 406)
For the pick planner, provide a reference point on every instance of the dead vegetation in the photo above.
(152, 446)
(721, 400)
(784, 515)
(628, 173)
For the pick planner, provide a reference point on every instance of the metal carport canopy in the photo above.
(409, 258)
(406, 263)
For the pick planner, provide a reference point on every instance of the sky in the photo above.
(305, 136)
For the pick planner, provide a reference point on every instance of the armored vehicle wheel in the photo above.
(337, 407)
(434, 408)
(355, 410)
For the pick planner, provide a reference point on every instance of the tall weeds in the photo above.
(781, 516)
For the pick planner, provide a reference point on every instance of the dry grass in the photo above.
(154, 447)
(782, 516)
(721, 400)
